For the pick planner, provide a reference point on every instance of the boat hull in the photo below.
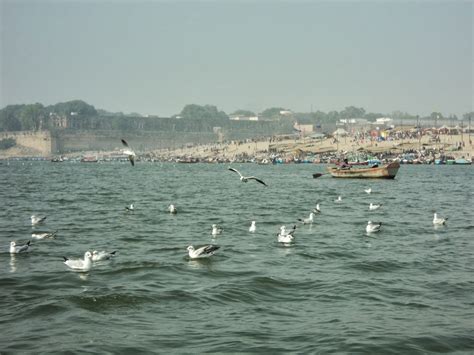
(388, 171)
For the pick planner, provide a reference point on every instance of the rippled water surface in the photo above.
(407, 289)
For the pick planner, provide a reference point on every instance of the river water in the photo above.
(407, 289)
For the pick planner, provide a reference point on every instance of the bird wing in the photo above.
(124, 142)
(132, 159)
(207, 249)
(257, 179)
(235, 171)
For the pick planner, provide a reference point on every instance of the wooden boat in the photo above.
(386, 171)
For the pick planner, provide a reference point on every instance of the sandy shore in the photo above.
(291, 148)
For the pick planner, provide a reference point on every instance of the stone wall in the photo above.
(38, 142)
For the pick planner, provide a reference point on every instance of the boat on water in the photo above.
(386, 171)
(89, 159)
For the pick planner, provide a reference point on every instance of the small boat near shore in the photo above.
(386, 171)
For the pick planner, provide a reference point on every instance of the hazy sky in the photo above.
(154, 57)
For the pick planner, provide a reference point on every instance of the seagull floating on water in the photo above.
(369, 190)
(286, 236)
(247, 178)
(373, 207)
(216, 230)
(252, 227)
(43, 235)
(438, 221)
(21, 248)
(129, 152)
(172, 209)
(37, 220)
(102, 255)
(204, 251)
(80, 264)
(308, 220)
(338, 199)
(373, 227)
(130, 208)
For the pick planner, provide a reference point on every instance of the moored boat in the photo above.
(386, 171)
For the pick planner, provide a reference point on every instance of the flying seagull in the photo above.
(438, 221)
(373, 227)
(22, 248)
(204, 251)
(247, 178)
(128, 151)
(317, 209)
(102, 255)
(80, 264)
(369, 190)
(37, 220)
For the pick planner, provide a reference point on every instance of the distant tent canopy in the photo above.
(340, 132)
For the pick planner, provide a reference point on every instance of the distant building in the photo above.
(286, 113)
(243, 118)
(384, 120)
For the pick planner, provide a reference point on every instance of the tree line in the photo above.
(79, 115)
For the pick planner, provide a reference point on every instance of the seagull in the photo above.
(204, 251)
(128, 151)
(37, 220)
(286, 236)
(102, 255)
(373, 207)
(308, 220)
(43, 235)
(80, 264)
(437, 221)
(317, 209)
(216, 230)
(130, 208)
(373, 227)
(247, 178)
(172, 209)
(15, 249)
(338, 199)
(252, 227)
(369, 190)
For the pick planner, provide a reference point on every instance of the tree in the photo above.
(194, 111)
(273, 112)
(352, 112)
(245, 113)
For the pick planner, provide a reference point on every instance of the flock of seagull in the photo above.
(285, 236)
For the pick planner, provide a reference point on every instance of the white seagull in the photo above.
(373, 227)
(129, 152)
(130, 208)
(369, 190)
(252, 227)
(37, 220)
(308, 220)
(15, 249)
(216, 230)
(204, 251)
(317, 209)
(102, 255)
(43, 235)
(80, 264)
(338, 199)
(373, 207)
(247, 178)
(438, 221)
(286, 236)
(172, 209)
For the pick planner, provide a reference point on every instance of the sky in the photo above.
(155, 57)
